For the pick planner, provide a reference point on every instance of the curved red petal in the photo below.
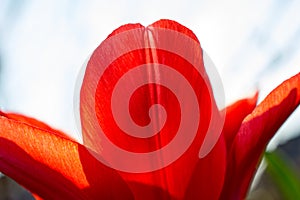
(256, 131)
(125, 27)
(36, 197)
(173, 25)
(97, 91)
(208, 177)
(33, 122)
(235, 114)
(54, 167)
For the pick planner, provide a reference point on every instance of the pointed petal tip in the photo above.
(39, 159)
(254, 134)
(235, 114)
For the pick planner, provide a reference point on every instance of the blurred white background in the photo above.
(255, 44)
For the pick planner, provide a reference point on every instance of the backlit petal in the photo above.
(256, 131)
(208, 177)
(235, 114)
(54, 167)
(116, 57)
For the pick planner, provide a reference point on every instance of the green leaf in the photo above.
(284, 175)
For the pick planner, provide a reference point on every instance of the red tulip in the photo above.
(54, 166)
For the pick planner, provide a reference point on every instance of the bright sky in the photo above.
(43, 44)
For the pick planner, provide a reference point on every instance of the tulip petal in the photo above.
(33, 122)
(256, 131)
(207, 180)
(54, 167)
(173, 25)
(235, 114)
(212, 181)
(97, 91)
